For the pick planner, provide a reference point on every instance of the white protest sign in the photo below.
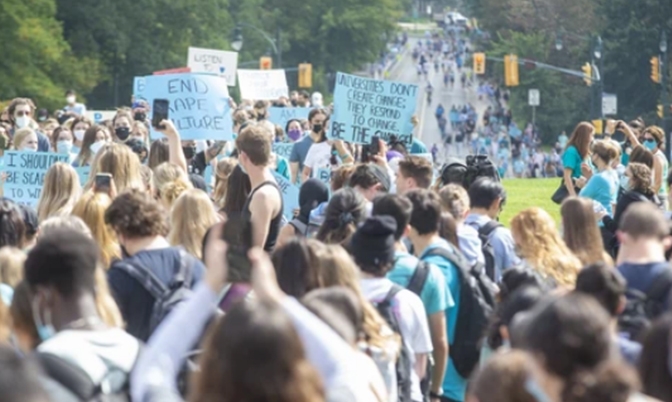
(262, 84)
(214, 61)
(98, 116)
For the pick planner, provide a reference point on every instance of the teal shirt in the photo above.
(282, 166)
(435, 295)
(603, 188)
(454, 386)
(571, 159)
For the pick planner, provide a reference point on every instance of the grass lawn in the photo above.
(526, 193)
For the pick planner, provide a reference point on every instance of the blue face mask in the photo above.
(64, 147)
(650, 144)
(45, 329)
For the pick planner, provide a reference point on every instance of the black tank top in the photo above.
(276, 223)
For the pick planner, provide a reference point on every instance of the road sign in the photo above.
(533, 97)
(609, 104)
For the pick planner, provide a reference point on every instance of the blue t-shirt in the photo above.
(641, 276)
(434, 295)
(418, 147)
(603, 188)
(454, 386)
(571, 159)
(300, 150)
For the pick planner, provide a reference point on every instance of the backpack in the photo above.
(466, 173)
(165, 298)
(642, 308)
(415, 285)
(403, 366)
(302, 230)
(486, 247)
(477, 303)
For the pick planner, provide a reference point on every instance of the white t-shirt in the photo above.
(412, 320)
(318, 157)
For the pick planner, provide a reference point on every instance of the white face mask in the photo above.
(79, 134)
(95, 147)
(70, 99)
(22, 121)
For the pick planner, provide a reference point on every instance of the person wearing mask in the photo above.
(316, 118)
(652, 138)
(603, 185)
(293, 130)
(79, 127)
(20, 112)
(62, 142)
(122, 123)
(264, 205)
(322, 154)
(455, 200)
(25, 139)
(576, 152)
(71, 104)
(94, 138)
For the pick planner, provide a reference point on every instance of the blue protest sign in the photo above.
(207, 176)
(324, 175)
(281, 115)
(283, 149)
(198, 103)
(364, 107)
(25, 174)
(83, 173)
(290, 195)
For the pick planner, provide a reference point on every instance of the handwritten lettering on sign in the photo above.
(262, 84)
(25, 174)
(283, 149)
(281, 115)
(290, 195)
(365, 107)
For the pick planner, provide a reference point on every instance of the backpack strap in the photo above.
(391, 294)
(417, 282)
(144, 276)
(72, 377)
(183, 277)
(488, 228)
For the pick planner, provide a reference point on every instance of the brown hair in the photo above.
(159, 152)
(605, 150)
(454, 199)
(11, 265)
(448, 228)
(135, 214)
(641, 155)
(256, 144)
(640, 178)
(417, 168)
(223, 170)
(503, 378)
(580, 231)
(657, 134)
(644, 219)
(85, 156)
(580, 138)
(17, 102)
(341, 176)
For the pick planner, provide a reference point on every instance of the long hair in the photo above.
(60, 191)
(580, 138)
(297, 266)
(159, 153)
(170, 181)
(641, 178)
(85, 156)
(254, 341)
(91, 209)
(346, 209)
(238, 188)
(580, 231)
(191, 217)
(542, 247)
(223, 170)
(119, 161)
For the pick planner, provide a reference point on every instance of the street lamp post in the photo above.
(663, 83)
(237, 40)
(598, 53)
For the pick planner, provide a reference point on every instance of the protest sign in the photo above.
(198, 103)
(83, 173)
(213, 61)
(262, 84)
(283, 149)
(208, 177)
(25, 174)
(364, 107)
(324, 175)
(290, 195)
(98, 116)
(281, 115)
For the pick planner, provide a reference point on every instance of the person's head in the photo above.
(20, 112)
(135, 215)
(339, 308)
(12, 225)
(653, 138)
(317, 117)
(20, 378)
(454, 199)
(237, 190)
(158, 153)
(139, 148)
(252, 341)
(94, 139)
(487, 196)
(60, 191)
(414, 172)
(254, 147)
(605, 284)
(370, 180)
(91, 209)
(341, 176)
(170, 181)
(448, 229)
(293, 129)
(643, 227)
(346, 209)
(656, 359)
(582, 137)
(604, 152)
(539, 243)
(639, 154)
(372, 245)
(580, 231)
(119, 161)
(426, 215)
(62, 140)
(79, 126)
(521, 300)
(122, 123)
(640, 178)
(297, 267)
(223, 170)
(25, 139)
(311, 194)
(192, 215)
(70, 96)
(505, 378)
(397, 207)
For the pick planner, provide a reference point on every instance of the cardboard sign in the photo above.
(98, 116)
(281, 115)
(324, 175)
(212, 61)
(262, 84)
(283, 149)
(25, 174)
(364, 107)
(290, 195)
(198, 104)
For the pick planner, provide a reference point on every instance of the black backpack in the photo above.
(166, 298)
(403, 365)
(642, 308)
(477, 302)
(465, 173)
(486, 247)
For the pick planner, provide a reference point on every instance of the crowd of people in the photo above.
(388, 283)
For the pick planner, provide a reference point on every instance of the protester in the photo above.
(313, 192)
(297, 266)
(94, 138)
(603, 185)
(345, 211)
(414, 172)
(20, 111)
(580, 231)
(455, 200)
(576, 152)
(238, 189)
(316, 118)
(190, 218)
(170, 181)
(12, 227)
(72, 106)
(91, 209)
(223, 171)
(25, 139)
(370, 180)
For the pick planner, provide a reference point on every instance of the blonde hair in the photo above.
(11, 265)
(222, 172)
(119, 161)
(60, 191)
(542, 247)
(91, 209)
(21, 134)
(191, 217)
(337, 268)
(170, 181)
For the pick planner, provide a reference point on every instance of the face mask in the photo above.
(29, 150)
(625, 182)
(317, 128)
(22, 121)
(189, 152)
(45, 330)
(650, 144)
(95, 147)
(122, 133)
(70, 99)
(294, 134)
(79, 134)
(64, 147)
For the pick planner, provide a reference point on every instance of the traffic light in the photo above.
(655, 69)
(265, 63)
(511, 77)
(479, 63)
(305, 75)
(587, 74)
(598, 124)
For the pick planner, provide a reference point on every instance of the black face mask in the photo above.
(140, 116)
(189, 152)
(317, 128)
(122, 133)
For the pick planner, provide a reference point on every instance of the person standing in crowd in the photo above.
(652, 138)
(94, 138)
(345, 211)
(71, 104)
(311, 194)
(62, 142)
(580, 231)
(60, 192)
(455, 200)
(654, 364)
(316, 118)
(20, 112)
(370, 180)
(322, 153)
(25, 139)
(602, 186)
(576, 152)
(414, 172)
(79, 126)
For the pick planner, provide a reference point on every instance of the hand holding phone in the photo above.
(103, 183)
(375, 145)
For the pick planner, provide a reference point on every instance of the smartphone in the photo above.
(103, 182)
(375, 145)
(159, 112)
(237, 234)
